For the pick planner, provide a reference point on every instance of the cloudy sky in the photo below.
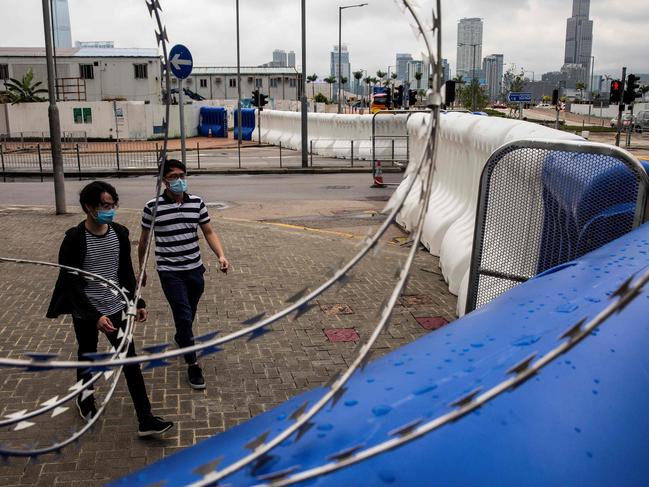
(530, 33)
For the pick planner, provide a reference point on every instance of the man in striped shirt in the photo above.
(178, 256)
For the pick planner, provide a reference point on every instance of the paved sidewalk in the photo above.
(270, 262)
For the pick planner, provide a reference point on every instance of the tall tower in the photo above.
(579, 38)
(402, 66)
(493, 69)
(469, 48)
(61, 19)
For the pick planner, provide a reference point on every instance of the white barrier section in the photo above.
(465, 143)
(331, 135)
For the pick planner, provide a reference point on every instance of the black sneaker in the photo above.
(195, 376)
(153, 425)
(87, 409)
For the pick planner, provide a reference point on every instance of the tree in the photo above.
(358, 75)
(330, 80)
(320, 98)
(25, 90)
(418, 76)
(481, 98)
(381, 74)
(644, 89)
(312, 79)
(580, 87)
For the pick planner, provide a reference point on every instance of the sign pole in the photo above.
(181, 111)
(620, 109)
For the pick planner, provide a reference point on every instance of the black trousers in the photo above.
(87, 338)
(183, 290)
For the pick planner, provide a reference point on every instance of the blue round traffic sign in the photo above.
(180, 61)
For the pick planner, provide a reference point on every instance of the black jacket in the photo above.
(69, 292)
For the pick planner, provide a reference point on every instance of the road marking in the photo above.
(294, 227)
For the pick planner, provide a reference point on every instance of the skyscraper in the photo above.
(291, 59)
(493, 69)
(446, 70)
(579, 38)
(61, 19)
(279, 58)
(469, 48)
(345, 66)
(402, 66)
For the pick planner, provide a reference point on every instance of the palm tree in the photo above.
(418, 76)
(357, 76)
(312, 79)
(643, 90)
(381, 74)
(24, 91)
(330, 80)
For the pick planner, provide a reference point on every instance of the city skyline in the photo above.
(530, 34)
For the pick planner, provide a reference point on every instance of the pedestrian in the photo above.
(101, 246)
(178, 257)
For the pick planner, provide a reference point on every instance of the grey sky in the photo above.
(530, 33)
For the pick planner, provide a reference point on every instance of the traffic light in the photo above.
(555, 97)
(449, 95)
(616, 91)
(262, 100)
(255, 98)
(412, 98)
(399, 97)
(631, 89)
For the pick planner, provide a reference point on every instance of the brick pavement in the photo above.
(270, 263)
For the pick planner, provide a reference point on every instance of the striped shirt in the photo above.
(176, 231)
(102, 257)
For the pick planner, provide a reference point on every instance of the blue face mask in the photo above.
(105, 216)
(178, 186)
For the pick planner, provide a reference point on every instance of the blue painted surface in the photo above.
(519, 97)
(214, 121)
(247, 123)
(581, 421)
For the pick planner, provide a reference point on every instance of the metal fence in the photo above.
(545, 203)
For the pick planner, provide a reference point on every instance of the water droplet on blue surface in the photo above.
(566, 308)
(325, 427)
(425, 390)
(381, 410)
(351, 402)
(526, 341)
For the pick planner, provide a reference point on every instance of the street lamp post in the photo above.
(53, 115)
(304, 119)
(340, 26)
(474, 93)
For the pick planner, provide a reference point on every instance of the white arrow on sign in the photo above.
(176, 62)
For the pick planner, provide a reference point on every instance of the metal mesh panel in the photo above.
(543, 204)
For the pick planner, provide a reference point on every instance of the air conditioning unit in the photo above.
(217, 80)
(250, 79)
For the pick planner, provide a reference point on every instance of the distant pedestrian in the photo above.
(101, 246)
(178, 256)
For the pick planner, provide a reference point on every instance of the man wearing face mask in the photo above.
(102, 247)
(178, 257)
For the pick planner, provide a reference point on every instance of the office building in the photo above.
(291, 59)
(61, 20)
(446, 70)
(492, 66)
(579, 41)
(279, 58)
(402, 66)
(469, 48)
(345, 66)
(90, 74)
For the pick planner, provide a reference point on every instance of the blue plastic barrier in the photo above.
(214, 121)
(579, 421)
(577, 218)
(247, 123)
